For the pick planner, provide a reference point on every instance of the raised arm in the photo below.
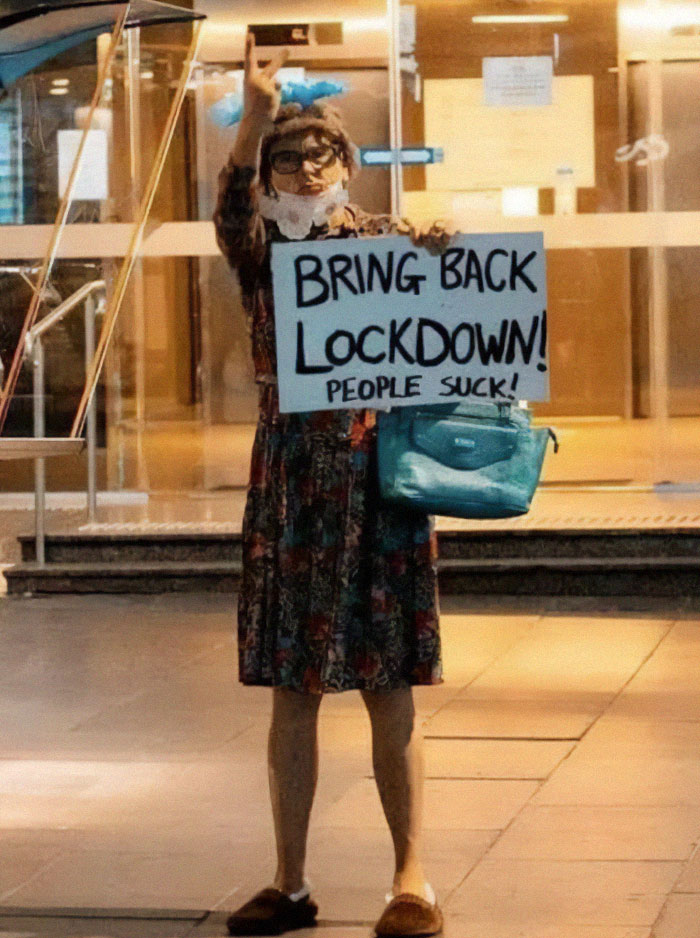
(240, 230)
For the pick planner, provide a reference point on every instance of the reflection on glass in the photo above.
(128, 121)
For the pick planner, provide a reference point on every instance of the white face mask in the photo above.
(295, 214)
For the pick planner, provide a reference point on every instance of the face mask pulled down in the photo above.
(296, 214)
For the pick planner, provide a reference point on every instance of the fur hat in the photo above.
(295, 119)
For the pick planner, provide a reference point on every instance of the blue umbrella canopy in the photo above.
(34, 32)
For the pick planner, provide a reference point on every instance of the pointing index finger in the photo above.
(276, 62)
(250, 61)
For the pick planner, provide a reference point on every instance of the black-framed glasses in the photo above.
(286, 162)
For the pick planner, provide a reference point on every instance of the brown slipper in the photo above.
(271, 912)
(409, 916)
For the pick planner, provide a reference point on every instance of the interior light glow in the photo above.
(230, 29)
(520, 201)
(147, 75)
(60, 82)
(58, 91)
(522, 18)
(668, 16)
(369, 23)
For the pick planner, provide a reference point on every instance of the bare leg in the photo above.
(293, 772)
(397, 756)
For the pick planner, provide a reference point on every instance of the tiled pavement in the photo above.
(562, 799)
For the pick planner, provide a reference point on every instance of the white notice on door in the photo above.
(407, 29)
(92, 181)
(517, 81)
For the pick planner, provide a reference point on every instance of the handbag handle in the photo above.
(406, 414)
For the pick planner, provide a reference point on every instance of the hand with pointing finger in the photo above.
(261, 92)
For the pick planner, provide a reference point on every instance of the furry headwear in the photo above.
(295, 119)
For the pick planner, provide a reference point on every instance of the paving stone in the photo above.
(637, 736)
(656, 701)
(573, 656)
(506, 716)
(137, 880)
(185, 715)
(21, 861)
(599, 832)
(474, 642)
(494, 758)
(92, 927)
(449, 804)
(680, 918)
(690, 880)
(630, 762)
(459, 926)
(666, 687)
(531, 898)
(352, 870)
(338, 736)
(53, 793)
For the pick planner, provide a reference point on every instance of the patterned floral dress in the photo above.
(339, 590)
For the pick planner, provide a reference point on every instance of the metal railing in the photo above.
(34, 350)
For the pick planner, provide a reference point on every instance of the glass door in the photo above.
(579, 120)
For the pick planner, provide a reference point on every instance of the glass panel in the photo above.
(50, 108)
(660, 94)
(152, 359)
(538, 113)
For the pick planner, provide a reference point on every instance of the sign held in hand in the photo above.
(380, 323)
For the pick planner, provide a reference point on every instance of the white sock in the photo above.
(428, 894)
(303, 892)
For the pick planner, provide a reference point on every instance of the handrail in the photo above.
(43, 325)
(34, 349)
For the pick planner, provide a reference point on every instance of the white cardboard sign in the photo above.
(379, 323)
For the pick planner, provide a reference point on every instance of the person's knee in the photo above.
(291, 706)
(393, 708)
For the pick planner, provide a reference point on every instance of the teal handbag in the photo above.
(465, 460)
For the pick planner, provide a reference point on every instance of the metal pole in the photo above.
(39, 464)
(91, 427)
(395, 117)
(662, 457)
(133, 98)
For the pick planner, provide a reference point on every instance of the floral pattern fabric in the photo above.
(339, 589)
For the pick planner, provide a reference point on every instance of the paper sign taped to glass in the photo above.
(379, 323)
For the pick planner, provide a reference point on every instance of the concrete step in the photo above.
(476, 545)
(128, 549)
(572, 543)
(670, 577)
(119, 577)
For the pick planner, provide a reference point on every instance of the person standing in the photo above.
(339, 590)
